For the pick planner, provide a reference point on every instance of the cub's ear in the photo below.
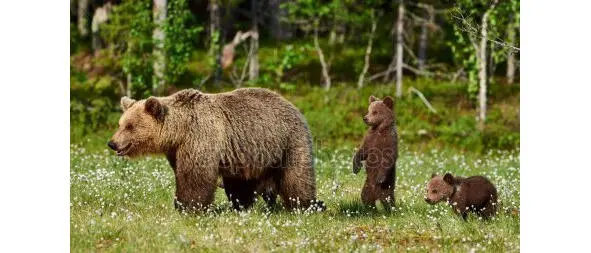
(126, 102)
(433, 175)
(448, 178)
(389, 102)
(372, 99)
(155, 108)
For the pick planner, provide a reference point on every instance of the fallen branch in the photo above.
(228, 51)
(238, 81)
(383, 73)
(422, 97)
(425, 73)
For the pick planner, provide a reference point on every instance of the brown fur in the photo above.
(473, 194)
(379, 150)
(249, 137)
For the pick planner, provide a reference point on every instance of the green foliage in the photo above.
(180, 41)
(75, 39)
(308, 9)
(214, 48)
(91, 104)
(274, 68)
(129, 34)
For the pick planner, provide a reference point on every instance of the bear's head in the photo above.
(139, 127)
(439, 188)
(379, 112)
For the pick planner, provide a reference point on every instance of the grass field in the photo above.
(118, 204)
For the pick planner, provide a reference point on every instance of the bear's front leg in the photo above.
(357, 159)
(193, 191)
(461, 210)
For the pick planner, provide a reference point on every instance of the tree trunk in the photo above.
(100, 16)
(325, 74)
(215, 39)
(399, 45)
(422, 59)
(128, 86)
(392, 66)
(279, 30)
(341, 36)
(367, 52)
(253, 67)
(482, 69)
(83, 17)
(275, 6)
(159, 55)
(511, 54)
(333, 35)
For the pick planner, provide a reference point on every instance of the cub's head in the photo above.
(439, 188)
(139, 127)
(379, 111)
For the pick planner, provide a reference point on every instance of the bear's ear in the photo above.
(372, 99)
(126, 102)
(448, 178)
(389, 102)
(155, 108)
(433, 175)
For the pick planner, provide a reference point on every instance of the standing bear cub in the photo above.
(250, 137)
(473, 194)
(379, 150)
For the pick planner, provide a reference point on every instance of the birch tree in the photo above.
(368, 49)
(320, 53)
(480, 33)
(399, 48)
(159, 36)
(428, 20)
(253, 67)
(482, 69)
(83, 17)
(214, 39)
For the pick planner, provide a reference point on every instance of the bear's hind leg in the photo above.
(368, 197)
(489, 209)
(297, 183)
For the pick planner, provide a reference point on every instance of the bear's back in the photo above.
(262, 107)
(479, 190)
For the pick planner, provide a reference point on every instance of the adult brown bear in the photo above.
(248, 136)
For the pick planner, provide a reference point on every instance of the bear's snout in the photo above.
(112, 145)
(428, 200)
(365, 119)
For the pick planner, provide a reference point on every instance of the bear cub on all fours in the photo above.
(379, 150)
(473, 194)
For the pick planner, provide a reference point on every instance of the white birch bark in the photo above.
(367, 53)
(399, 48)
(159, 55)
(323, 64)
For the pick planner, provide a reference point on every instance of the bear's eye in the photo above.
(374, 113)
(129, 126)
(434, 191)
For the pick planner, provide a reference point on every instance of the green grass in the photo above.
(122, 205)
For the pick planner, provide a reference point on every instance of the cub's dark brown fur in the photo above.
(379, 150)
(473, 194)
